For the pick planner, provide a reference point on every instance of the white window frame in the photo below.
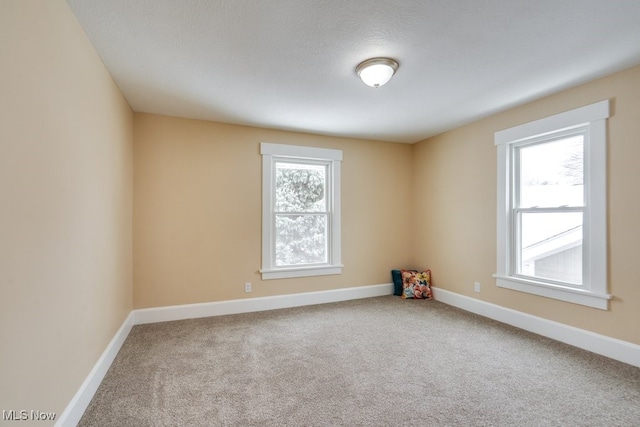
(593, 291)
(272, 153)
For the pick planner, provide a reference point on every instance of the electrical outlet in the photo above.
(476, 286)
(247, 287)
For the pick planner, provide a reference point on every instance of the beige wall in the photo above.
(455, 174)
(197, 211)
(65, 206)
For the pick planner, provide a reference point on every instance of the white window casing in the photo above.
(592, 120)
(331, 159)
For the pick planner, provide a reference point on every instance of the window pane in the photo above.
(550, 246)
(551, 173)
(301, 239)
(300, 187)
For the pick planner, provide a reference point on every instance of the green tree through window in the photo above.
(300, 214)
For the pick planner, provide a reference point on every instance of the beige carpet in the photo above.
(373, 362)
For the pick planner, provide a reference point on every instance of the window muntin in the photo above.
(577, 136)
(301, 211)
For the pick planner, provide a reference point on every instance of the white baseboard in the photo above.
(622, 351)
(218, 308)
(75, 409)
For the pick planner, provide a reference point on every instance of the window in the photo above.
(552, 207)
(300, 211)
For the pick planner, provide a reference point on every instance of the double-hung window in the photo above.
(300, 211)
(552, 207)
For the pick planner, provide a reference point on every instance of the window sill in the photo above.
(285, 273)
(576, 296)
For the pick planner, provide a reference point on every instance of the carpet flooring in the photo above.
(372, 362)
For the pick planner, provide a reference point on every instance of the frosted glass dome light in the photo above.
(375, 72)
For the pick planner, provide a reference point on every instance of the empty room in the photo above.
(245, 213)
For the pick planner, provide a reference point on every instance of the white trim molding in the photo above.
(590, 122)
(562, 121)
(247, 305)
(286, 273)
(80, 401)
(330, 160)
(613, 348)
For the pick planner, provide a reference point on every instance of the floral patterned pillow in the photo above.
(416, 284)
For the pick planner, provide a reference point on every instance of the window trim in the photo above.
(272, 153)
(594, 118)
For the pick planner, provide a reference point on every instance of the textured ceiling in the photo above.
(289, 64)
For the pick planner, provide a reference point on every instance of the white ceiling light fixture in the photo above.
(375, 72)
